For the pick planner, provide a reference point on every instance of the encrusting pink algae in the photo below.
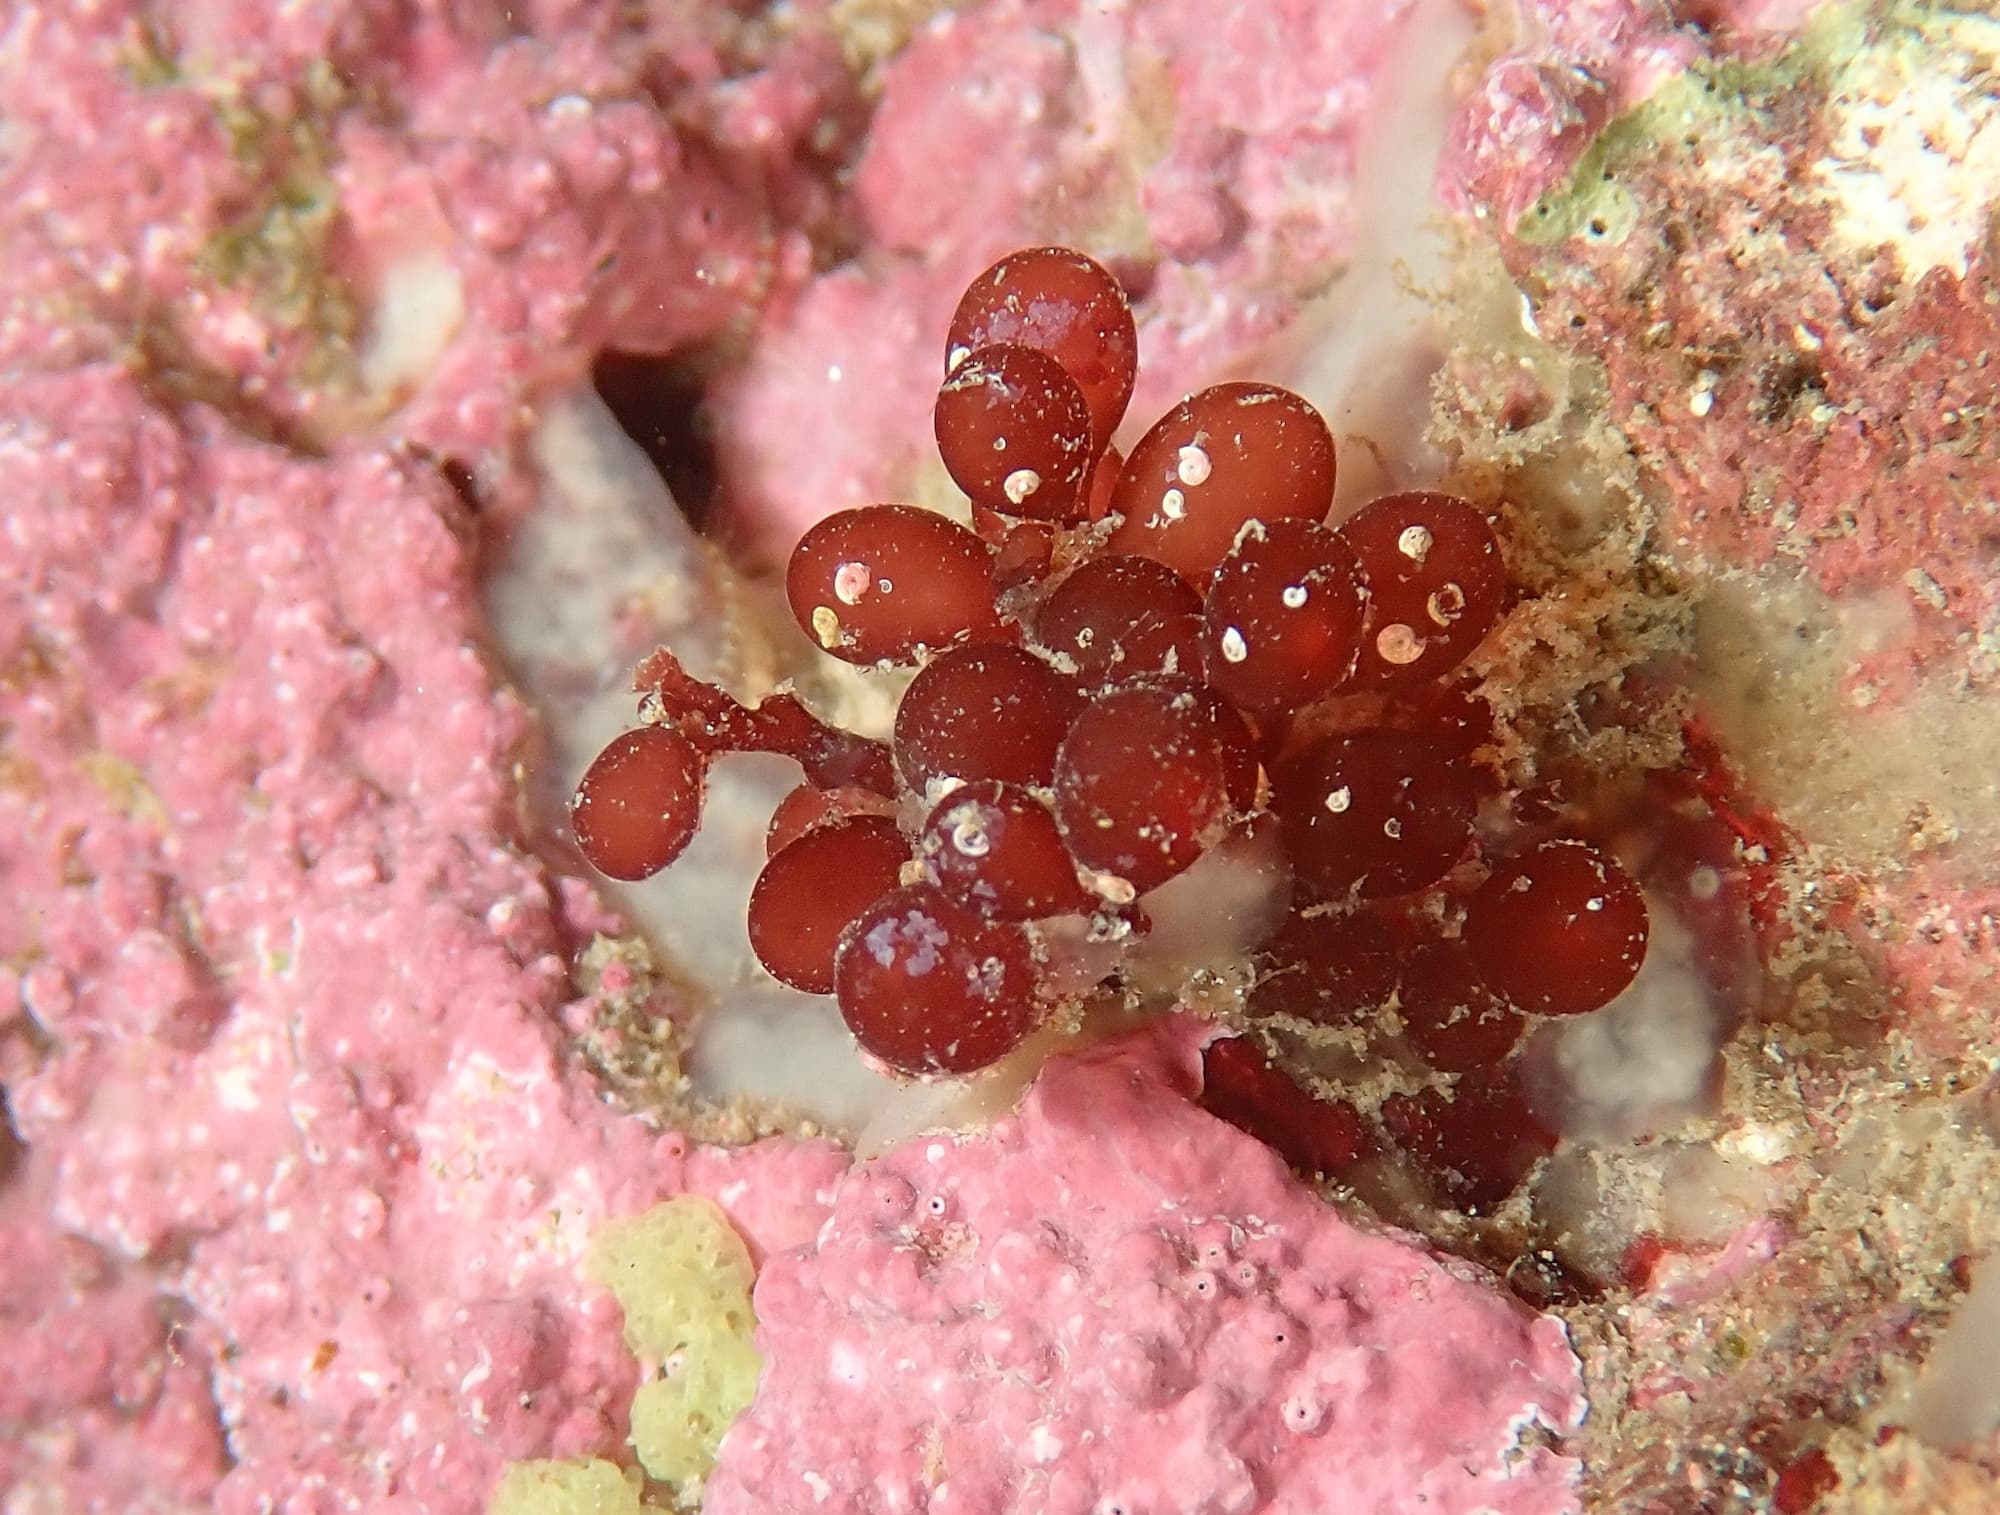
(323, 1057)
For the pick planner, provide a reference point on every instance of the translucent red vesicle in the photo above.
(1160, 644)
(984, 712)
(1064, 304)
(1559, 930)
(1376, 812)
(1242, 771)
(639, 803)
(1117, 617)
(1014, 433)
(883, 583)
(1476, 1141)
(808, 806)
(1450, 1019)
(813, 889)
(1103, 484)
(996, 849)
(1021, 549)
(1334, 969)
(1436, 584)
(1316, 1136)
(1453, 713)
(929, 987)
(1231, 454)
(1147, 777)
(1282, 620)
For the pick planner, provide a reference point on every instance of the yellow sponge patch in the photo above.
(682, 1276)
(678, 1420)
(566, 1488)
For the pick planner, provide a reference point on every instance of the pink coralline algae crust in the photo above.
(1110, 1301)
(225, 193)
(102, 1380)
(1215, 179)
(307, 1166)
(287, 1024)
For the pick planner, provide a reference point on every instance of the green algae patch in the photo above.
(275, 249)
(1721, 109)
(1710, 104)
(682, 1276)
(549, 1487)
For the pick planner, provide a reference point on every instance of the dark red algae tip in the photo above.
(1240, 1085)
(715, 723)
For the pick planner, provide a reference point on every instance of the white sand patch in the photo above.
(1955, 1403)
(1377, 338)
(1875, 776)
(1915, 141)
(419, 308)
